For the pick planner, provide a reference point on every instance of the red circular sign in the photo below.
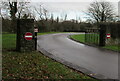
(108, 35)
(28, 36)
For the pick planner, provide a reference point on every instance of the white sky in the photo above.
(71, 0)
(73, 8)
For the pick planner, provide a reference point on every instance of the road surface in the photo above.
(99, 63)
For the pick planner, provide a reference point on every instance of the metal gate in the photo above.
(92, 36)
(96, 36)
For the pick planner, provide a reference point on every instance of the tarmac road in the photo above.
(99, 63)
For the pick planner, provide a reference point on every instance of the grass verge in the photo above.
(43, 33)
(32, 65)
(9, 40)
(112, 47)
(81, 38)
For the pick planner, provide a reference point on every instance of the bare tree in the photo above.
(80, 20)
(52, 18)
(46, 14)
(15, 9)
(63, 16)
(101, 11)
(42, 12)
(57, 20)
(23, 9)
(39, 11)
(10, 8)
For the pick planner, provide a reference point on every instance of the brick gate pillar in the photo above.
(102, 34)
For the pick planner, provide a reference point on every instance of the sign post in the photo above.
(35, 30)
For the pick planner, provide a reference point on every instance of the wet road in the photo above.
(98, 63)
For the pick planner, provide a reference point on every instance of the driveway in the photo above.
(98, 63)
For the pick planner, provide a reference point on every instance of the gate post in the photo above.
(86, 35)
(25, 26)
(102, 36)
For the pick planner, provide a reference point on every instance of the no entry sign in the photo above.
(28, 36)
(108, 36)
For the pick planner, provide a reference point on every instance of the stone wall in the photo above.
(23, 26)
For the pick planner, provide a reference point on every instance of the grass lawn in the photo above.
(6, 38)
(32, 65)
(81, 38)
(51, 33)
(8, 41)
(112, 47)
(0, 41)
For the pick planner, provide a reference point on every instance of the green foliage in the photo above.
(112, 28)
(49, 26)
(6, 25)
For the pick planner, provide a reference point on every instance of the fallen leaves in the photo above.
(34, 66)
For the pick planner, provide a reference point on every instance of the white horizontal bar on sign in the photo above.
(108, 35)
(28, 36)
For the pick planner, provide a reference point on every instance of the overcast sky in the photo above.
(73, 8)
(71, 0)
